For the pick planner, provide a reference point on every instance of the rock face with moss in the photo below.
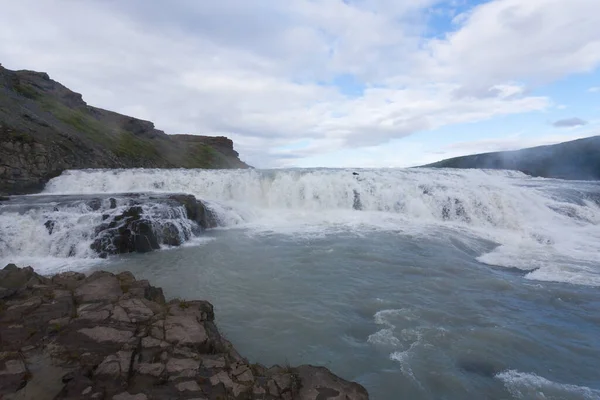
(114, 337)
(46, 128)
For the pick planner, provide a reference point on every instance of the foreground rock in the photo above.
(113, 337)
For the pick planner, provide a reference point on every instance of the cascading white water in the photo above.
(538, 223)
(54, 229)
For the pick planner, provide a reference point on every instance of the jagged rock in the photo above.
(136, 309)
(189, 386)
(319, 383)
(182, 364)
(107, 334)
(185, 330)
(196, 210)
(13, 373)
(128, 232)
(12, 277)
(155, 369)
(50, 226)
(127, 396)
(170, 235)
(77, 344)
(69, 279)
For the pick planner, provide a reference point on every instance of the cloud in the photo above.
(569, 123)
(594, 89)
(266, 72)
(484, 51)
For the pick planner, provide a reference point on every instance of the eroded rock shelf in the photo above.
(109, 336)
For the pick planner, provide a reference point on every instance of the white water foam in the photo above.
(385, 337)
(56, 235)
(530, 386)
(549, 226)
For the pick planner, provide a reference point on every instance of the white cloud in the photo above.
(508, 40)
(258, 71)
(594, 89)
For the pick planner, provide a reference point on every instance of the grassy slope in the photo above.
(46, 128)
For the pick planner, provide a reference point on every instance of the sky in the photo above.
(326, 83)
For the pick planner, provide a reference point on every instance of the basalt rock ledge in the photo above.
(109, 336)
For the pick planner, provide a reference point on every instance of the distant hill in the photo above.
(46, 128)
(577, 159)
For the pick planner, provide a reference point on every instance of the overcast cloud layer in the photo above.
(297, 78)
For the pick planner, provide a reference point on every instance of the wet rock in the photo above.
(128, 232)
(196, 210)
(170, 235)
(356, 204)
(50, 226)
(94, 204)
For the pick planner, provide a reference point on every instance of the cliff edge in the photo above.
(45, 128)
(109, 336)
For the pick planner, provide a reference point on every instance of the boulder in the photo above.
(196, 210)
(318, 383)
(128, 232)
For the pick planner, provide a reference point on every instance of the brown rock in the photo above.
(107, 334)
(319, 383)
(189, 386)
(127, 396)
(105, 288)
(155, 369)
(175, 365)
(184, 330)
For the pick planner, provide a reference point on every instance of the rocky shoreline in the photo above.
(109, 336)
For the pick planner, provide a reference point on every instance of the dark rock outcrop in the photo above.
(46, 128)
(128, 232)
(577, 159)
(113, 337)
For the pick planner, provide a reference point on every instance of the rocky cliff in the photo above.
(577, 159)
(46, 128)
(114, 337)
